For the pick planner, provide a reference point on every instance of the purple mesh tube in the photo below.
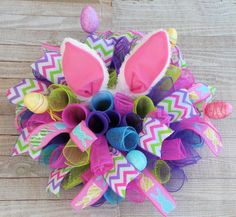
(98, 122)
(73, 114)
(123, 104)
(133, 120)
(114, 118)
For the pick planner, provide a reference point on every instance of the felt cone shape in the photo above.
(84, 70)
(138, 74)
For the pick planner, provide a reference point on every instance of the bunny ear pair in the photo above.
(86, 73)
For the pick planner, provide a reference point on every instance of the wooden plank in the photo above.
(205, 18)
(53, 209)
(22, 166)
(193, 190)
(125, 209)
(36, 37)
(60, 23)
(70, 8)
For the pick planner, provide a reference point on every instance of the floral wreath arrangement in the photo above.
(119, 114)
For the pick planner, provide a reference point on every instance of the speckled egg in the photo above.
(36, 102)
(89, 19)
(137, 159)
(172, 35)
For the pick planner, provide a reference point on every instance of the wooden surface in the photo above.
(207, 36)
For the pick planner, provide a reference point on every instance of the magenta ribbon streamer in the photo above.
(100, 158)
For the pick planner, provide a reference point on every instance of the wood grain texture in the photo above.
(207, 37)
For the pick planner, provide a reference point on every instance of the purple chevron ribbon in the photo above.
(178, 106)
(103, 47)
(16, 94)
(122, 48)
(49, 67)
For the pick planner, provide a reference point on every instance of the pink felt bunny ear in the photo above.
(146, 64)
(84, 70)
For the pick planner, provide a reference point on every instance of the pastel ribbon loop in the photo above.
(73, 114)
(59, 97)
(92, 191)
(57, 159)
(121, 174)
(162, 171)
(74, 156)
(98, 122)
(178, 106)
(17, 93)
(114, 118)
(46, 153)
(156, 193)
(100, 157)
(133, 120)
(123, 103)
(123, 138)
(102, 101)
(74, 177)
(45, 133)
(161, 90)
(173, 149)
(153, 134)
(82, 136)
(143, 105)
(111, 197)
(49, 66)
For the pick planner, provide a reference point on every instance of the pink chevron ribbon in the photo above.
(178, 106)
(44, 133)
(49, 67)
(55, 179)
(16, 94)
(153, 134)
(156, 193)
(103, 47)
(121, 174)
(92, 191)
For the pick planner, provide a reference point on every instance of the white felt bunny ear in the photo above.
(146, 64)
(84, 71)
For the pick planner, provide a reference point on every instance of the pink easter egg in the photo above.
(218, 109)
(89, 19)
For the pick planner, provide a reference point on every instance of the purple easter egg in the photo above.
(89, 19)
